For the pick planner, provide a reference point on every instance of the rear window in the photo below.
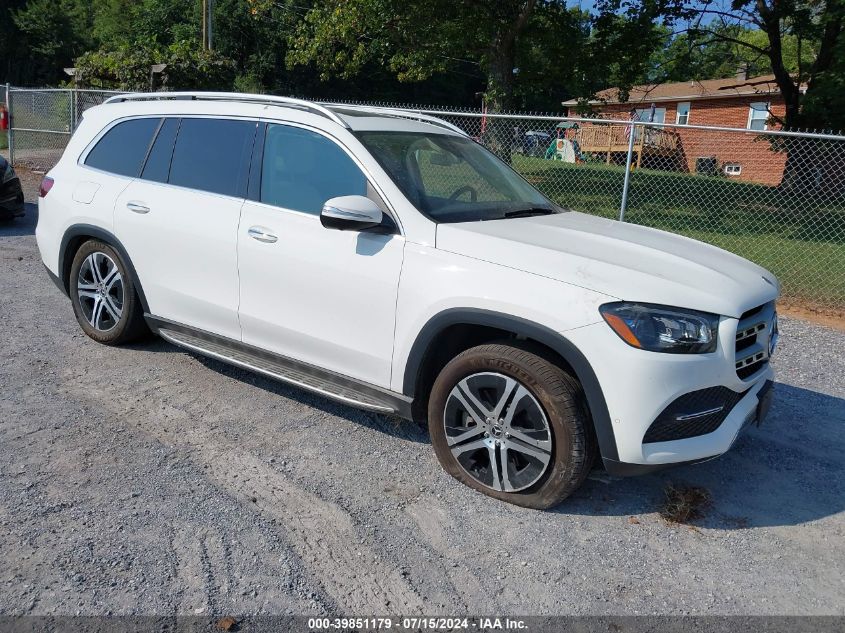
(213, 155)
(123, 148)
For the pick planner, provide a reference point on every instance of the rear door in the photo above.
(114, 161)
(179, 221)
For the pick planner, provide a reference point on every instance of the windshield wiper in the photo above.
(525, 213)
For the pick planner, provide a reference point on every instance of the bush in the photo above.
(129, 67)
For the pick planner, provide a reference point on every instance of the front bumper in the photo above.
(11, 199)
(757, 415)
(640, 386)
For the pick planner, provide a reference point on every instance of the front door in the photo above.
(317, 295)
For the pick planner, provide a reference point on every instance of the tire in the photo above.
(564, 435)
(102, 288)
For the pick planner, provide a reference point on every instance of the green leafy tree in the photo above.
(419, 39)
(685, 58)
(799, 41)
(128, 68)
(621, 45)
(551, 58)
(163, 22)
(11, 55)
(52, 33)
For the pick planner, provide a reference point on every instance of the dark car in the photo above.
(11, 194)
(532, 142)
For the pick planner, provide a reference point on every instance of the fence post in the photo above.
(11, 124)
(627, 183)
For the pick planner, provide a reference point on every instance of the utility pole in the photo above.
(210, 24)
(204, 25)
(207, 24)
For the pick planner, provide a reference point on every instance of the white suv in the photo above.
(387, 260)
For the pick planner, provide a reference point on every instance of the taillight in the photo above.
(46, 185)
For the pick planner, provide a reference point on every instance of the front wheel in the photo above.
(511, 424)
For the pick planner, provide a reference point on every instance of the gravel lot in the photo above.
(147, 480)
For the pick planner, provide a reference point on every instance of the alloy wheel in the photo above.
(497, 431)
(100, 289)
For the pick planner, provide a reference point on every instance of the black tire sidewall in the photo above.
(123, 330)
(565, 412)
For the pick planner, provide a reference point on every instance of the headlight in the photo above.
(8, 173)
(661, 328)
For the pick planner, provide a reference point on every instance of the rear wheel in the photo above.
(511, 424)
(103, 295)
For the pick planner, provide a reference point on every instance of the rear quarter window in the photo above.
(123, 148)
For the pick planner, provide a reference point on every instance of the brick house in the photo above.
(744, 103)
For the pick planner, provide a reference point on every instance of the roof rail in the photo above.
(288, 102)
(396, 112)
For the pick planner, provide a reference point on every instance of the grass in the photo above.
(684, 504)
(4, 139)
(800, 238)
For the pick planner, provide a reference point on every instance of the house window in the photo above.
(758, 114)
(682, 117)
(657, 115)
(732, 169)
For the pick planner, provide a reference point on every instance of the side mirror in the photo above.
(351, 213)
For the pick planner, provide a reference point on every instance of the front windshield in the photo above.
(454, 179)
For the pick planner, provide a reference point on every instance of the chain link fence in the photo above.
(42, 122)
(776, 198)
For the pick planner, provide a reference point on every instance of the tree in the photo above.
(53, 33)
(552, 58)
(128, 68)
(418, 39)
(799, 41)
(163, 22)
(12, 56)
(683, 57)
(621, 45)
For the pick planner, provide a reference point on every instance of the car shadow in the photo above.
(388, 424)
(21, 226)
(786, 472)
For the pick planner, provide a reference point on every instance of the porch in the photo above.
(613, 139)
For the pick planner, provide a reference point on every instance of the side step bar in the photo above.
(337, 387)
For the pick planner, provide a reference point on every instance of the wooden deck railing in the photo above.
(614, 138)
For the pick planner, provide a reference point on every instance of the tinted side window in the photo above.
(158, 162)
(303, 169)
(123, 148)
(213, 155)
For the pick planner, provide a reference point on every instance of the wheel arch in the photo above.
(424, 356)
(74, 237)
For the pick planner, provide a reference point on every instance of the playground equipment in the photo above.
(564, 148)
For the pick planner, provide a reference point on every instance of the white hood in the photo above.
(625, 261)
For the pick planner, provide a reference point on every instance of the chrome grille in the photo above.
(754, 333)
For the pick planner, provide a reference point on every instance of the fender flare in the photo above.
(95, 232)
(521, 327)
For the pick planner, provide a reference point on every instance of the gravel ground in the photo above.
(146, 480)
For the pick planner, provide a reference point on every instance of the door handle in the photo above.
(137, 207)
(261, 234)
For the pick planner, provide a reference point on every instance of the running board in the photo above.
(340, 388)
